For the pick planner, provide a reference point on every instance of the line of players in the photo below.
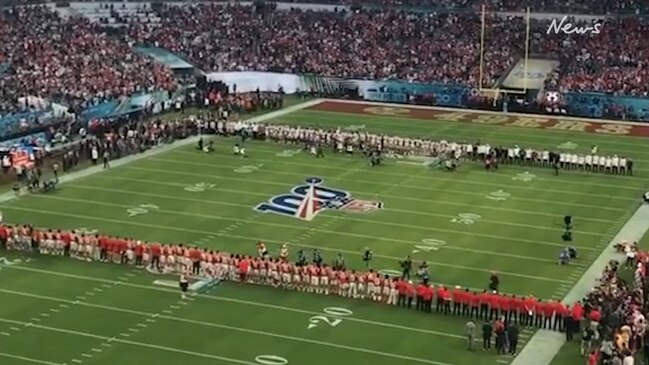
(282, 273)
(348, 141)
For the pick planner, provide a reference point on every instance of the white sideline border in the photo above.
(545, 344)
(10, 195)
(490, 112)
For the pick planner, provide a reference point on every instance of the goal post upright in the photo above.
(496, 91)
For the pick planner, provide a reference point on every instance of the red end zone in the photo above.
(486, 118)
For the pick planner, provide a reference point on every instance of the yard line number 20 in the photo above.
(334, 316)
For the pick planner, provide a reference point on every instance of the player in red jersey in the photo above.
(343, 280)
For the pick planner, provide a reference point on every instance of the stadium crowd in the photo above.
(69, 60)
(363, 45)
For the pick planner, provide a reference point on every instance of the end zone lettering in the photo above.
(306, 201)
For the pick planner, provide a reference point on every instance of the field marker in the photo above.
(63, 305)
(150, 320)
(5, 334)
(81, 297)
(221, 358)
(96, 349)
(134, 330)
(106, 344)
(434, 263)
(90, 293)
(44, 315)
(124, 334)
(28, 359)
(130, 274)
(35, 319)
(98, 290)
(76, 361)
(217, 298)
(14, 329)
(174, 307)
(263, 195)
(86, 355)
(107, 286)
(54, 310)
(142, 325)
(501, 361)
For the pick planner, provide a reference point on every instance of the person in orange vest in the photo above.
(494, 305)
(420, 296)
(474, 300)
(446, 298)
(505, 308)
(577, 317)
(410, 293)
(484, 305)
(548, 313)
(561, 310)
(528, 311)
(402, 288)
(427, 295)
(457, 299)
(539, 308)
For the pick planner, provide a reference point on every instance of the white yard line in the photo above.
(162, 149)
(544, 345)
(422, 187)
(285, 225)
(398, 197)
(28, 359)
(180, 229)
(382, 172)
(219, 298)
(231, 328)
(247, 206)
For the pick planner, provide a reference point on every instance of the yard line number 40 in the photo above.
(334, 316)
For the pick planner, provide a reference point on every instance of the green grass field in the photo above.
(91, 313)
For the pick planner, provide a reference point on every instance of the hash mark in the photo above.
(142, 325)
(86, 355)
(14, 329)
(77, 361)
(124, 335)
(96, 349)
(54, 310)
(44, 315)
(133, 330)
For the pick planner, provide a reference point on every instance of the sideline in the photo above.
(545, 344)
(10, 195)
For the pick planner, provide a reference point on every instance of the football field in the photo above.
(464, 224)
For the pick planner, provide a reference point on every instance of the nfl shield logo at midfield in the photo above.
(306, 201)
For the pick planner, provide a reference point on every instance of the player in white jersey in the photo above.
(608, 165)
(622, 165)
(589, 162)
(394, 294)
(385, 288)
(74, 249)
(601, 164)
(353, 285)
(574, 158)
(615, 162)
(581, 162)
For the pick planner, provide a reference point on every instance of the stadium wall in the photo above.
(586, 105)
